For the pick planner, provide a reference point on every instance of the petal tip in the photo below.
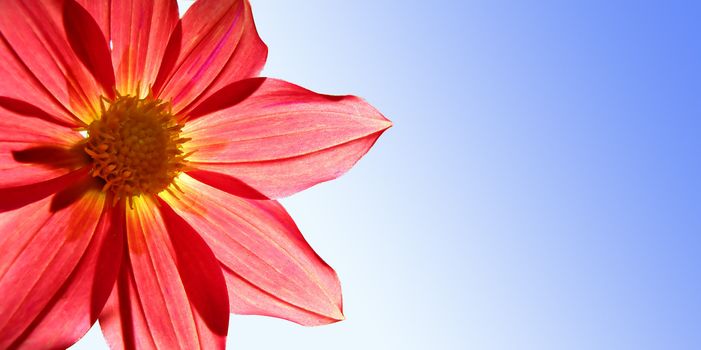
(388, 124)
(325, 319)
(338, 317)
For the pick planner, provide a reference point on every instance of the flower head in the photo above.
(140, 162)
(135, 146)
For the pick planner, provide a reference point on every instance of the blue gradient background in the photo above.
(541, 187)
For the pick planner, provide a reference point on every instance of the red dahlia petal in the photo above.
(89, 44)
(199, 48)
(279, 138)
(170, 293)
(100, 11)
(78, 303)
(246, 62)
(19, 86)
(49, 253)
(19, 196)
(45, 38)
(34, 149)
(139, 31)
(269, 267)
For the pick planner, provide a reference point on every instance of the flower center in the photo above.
(136, 146)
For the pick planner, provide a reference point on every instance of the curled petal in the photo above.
(269, 267)
(170, 293)
(279, 138)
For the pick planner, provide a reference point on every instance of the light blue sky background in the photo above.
(541, 187)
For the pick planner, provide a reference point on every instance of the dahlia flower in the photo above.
(140, 162)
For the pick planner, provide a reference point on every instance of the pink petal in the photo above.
(63, 49)
(89, 44)
(269, 267)
(19, 86)
(170, 293)
(44, 249)
(78, 303)
(139, 31)
(246, 62)
(33, 147)
(100, 11)
(19, 196)
(226, 183)
(280, 138)
(199, 48)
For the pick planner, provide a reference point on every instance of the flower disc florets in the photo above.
(136, 146)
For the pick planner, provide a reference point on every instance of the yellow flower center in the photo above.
(136, 146)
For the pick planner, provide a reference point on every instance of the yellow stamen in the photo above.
(136, 146)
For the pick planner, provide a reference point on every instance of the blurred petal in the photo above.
(269, 267)
(246, 62)
(170, 293)
(199, 48)
(78, 303)
(43, 246)
(280, 138)
(62, 47)
(139, 31)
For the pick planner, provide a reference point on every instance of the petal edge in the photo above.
(280, 138)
